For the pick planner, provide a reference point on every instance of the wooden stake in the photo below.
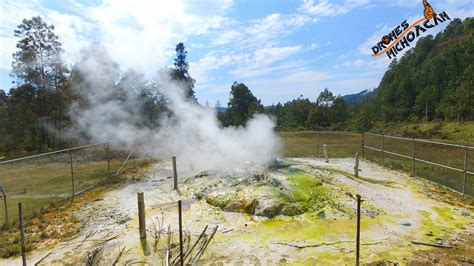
(356, 167)
(141, 215)
(5, 204)
(72, 172)
(413, 158)
(175, 173)
(22, 233)
(325, 151)
(108, 159)
(465, 171)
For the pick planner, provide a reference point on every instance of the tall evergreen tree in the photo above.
(180, 71)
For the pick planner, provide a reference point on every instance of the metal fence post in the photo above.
(413, 158)
(180, 234)
(465, 171)
(141, 215)
(363, 144)
(108, 159)
(72, 172)
(358, 230)
(175, 173)
(383, 144)
(22, 233)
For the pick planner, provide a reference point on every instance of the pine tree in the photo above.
(180, 71)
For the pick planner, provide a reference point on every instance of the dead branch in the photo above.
(195, 243)
(204, 247)
(431, 245)
(93, 257)
(43, 258)
(121, 252)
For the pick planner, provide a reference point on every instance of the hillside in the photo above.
(434, 80)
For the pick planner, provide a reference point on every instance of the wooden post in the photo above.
(363, 145)
(5, 205)
(317, 145)
(180, 234)
(141, 215)
(465, 171)
(383, 144)
(22, 233)
(325, 151)
(108, 159)
(413, 158)
(358, 230)
(72, 172)
(175, 173)
(356, 167)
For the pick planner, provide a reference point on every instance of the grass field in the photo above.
(310, 143)
(40, 181)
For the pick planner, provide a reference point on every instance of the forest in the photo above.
(433, 81)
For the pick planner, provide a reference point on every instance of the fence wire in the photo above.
(451, 165)
(41, 180)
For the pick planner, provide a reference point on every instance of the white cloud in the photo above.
(262, 59)
(380, 63)
(325, 8)
(137, 35)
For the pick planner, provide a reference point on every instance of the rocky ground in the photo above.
(298, 211)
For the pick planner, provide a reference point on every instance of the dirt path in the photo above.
(397, 210)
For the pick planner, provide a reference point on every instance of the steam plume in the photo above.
(192, 132)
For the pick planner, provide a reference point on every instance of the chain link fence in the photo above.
(41, 180)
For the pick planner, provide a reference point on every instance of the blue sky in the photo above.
(279, 49)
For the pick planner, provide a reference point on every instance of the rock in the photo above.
(404, 222)
(464, 213)
(321, 215)
(430, 233)
(372, 213)
(268, 207)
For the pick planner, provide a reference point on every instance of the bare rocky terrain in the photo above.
(298, 211)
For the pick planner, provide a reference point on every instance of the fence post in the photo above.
(317, 145)
(413, 158)
(108, 158)
(383, 144)
(5, 204)
(325, 151)
(175, 173)
(180, 234)
(363, 145)
(5, 208)
(358, 230)
(22, 233)
(465, 171)
(72, 172)
(141, 215)
(356, 167)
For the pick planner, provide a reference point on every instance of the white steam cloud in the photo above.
(192, 132)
